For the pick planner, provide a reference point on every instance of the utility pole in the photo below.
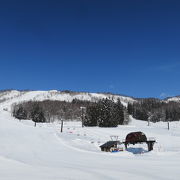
(149, 118)
(61, 126)
(82, 115)
(126, 117)
(63, 118)
(149, 121)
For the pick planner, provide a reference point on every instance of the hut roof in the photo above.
(136, 136)
(109, 144)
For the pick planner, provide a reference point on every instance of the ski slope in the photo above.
(7, 98)
(43, 153)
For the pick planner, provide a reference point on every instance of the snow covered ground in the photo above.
(43, 153)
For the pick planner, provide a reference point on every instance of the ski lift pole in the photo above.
(82, 115)
(61, 125)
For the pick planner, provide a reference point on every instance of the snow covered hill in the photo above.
(7, 98)
(14, 96)
(43, 153)
(175, 99)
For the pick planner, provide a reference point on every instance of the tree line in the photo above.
(104, 113)
(49, 110)
(151, 109)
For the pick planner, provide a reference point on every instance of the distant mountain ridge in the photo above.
(175, 99)
(14, 96)
(10, 97)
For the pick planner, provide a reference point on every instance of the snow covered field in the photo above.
(43, 153)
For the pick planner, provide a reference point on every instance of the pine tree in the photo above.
(92, 116)
(20, 113)
(130, 108)
(37, 115)
(119, 112)
(105, 113)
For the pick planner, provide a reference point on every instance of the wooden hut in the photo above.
(110, 146)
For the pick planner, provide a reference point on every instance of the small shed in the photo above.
(110, 146)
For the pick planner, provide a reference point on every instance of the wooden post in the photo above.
(150, 145)
(61, 126)
(168, 125)
(125, 145)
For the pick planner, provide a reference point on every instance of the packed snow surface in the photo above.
(44, 153)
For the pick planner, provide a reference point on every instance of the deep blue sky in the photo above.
(129, 47)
